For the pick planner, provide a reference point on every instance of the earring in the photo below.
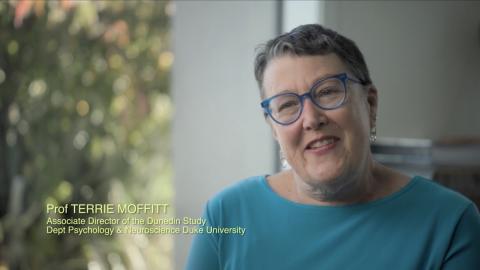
(373, 134)
(283, 162)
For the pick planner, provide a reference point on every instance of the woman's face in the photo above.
(322, 146)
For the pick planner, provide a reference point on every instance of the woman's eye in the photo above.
(287, 105)
(324, 92)
(327, 92)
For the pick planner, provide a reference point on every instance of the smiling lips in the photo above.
(322, 145)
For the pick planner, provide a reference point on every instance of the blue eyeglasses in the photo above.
(328, 94)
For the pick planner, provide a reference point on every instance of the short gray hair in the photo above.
(311, 39)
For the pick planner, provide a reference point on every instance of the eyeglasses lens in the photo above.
(285, 108)
(328, 94)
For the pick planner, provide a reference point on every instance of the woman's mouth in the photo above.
(322, 146)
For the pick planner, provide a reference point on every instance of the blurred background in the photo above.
(155, 101)
(85, 116)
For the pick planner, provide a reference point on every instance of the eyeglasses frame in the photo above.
(343, 77)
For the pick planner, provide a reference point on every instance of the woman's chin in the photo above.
(326, 171)
(323, 177)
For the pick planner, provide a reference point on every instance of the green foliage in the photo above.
(84, 117)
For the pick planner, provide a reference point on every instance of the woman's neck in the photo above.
(347, 189)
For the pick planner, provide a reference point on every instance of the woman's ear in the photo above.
(268, 120)
(272, 128)
(274, 134)
(372, 101)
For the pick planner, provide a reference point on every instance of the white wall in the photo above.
(300, 12)
(219, 134)
(424, 58)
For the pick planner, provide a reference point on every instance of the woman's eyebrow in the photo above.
(286, 91)
(319, 78)
(323, 77)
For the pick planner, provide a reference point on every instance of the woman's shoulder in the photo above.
(429, 191)
(425, 191)
(245, 189)
(436, 189)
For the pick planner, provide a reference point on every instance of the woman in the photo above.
(336, 208)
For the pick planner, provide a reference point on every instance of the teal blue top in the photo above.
(422, 226)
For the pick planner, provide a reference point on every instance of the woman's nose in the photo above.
(312, 116)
